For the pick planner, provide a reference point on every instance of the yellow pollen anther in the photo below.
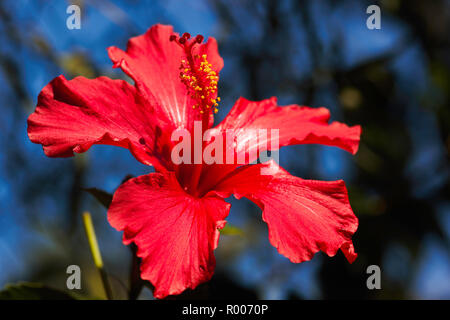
(200, 79)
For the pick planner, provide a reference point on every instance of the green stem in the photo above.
(93, 245)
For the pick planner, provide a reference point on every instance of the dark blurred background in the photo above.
(395, 82)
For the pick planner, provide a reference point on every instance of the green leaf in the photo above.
(103, 197)
(230, 230)
(33, 291)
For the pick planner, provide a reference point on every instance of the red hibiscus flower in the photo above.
(174, 214)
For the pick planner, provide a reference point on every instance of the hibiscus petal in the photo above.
(303, 216)
(296, 124)
(153, 61)
(174, 232)
(73, 115)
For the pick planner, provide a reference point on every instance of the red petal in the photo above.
(153, 61)
(297, 124)
(73, 115)
(303, 216)
(174, 232)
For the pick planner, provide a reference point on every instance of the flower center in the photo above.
(197, 75)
